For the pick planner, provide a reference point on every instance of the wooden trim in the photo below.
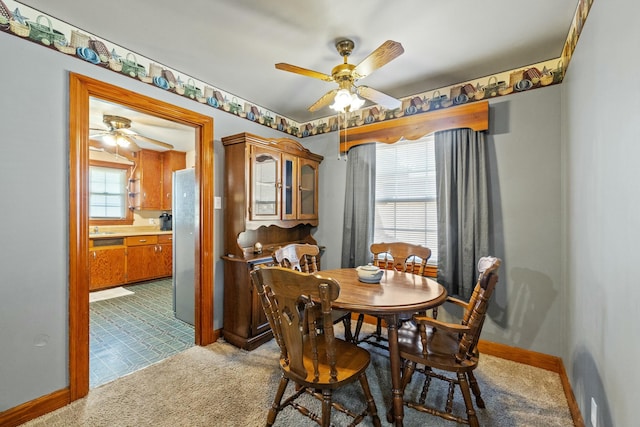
(538, 360)
(515, 354)
(78, 238)
(35, 408)
(80, 89)
(473, 116)
(204, 333)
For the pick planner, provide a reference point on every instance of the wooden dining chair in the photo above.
(303, 257)
(448, 351)
(317, 363)
(297, 256)
(399, 256)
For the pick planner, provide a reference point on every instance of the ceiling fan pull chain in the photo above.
(344, 123)
(339, 142)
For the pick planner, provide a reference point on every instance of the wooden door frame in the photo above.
(81, 88)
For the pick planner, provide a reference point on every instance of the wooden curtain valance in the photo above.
(474, 116)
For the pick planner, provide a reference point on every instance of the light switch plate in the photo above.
(217, 202)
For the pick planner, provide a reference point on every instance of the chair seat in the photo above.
(352, 359)
(442, 348)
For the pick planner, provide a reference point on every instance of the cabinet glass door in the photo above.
(265, 180)
(308, 186)
(289, 187)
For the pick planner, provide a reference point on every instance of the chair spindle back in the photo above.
(296, 256)
(401, 256)
(282, 293)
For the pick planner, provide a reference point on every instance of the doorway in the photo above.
(81, 89)
(148, 325)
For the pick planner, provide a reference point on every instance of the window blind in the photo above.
(405, 207)
(107, 193)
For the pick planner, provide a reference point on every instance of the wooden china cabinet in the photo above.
(271, 197)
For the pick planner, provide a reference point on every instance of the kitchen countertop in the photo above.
(127, 233)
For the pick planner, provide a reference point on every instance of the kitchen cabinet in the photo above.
(147, 181)
(151, 185)
(171, 162)
(125, 260)
(149, 257)
(142, 257)
(107, 264)
(165, 255)
(271, 196)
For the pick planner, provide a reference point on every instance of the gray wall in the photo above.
(34, 153)
(601, 223)
(524, 147)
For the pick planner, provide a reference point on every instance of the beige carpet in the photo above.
(220, 385)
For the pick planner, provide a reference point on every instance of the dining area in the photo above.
(397, 305)
(422, 320)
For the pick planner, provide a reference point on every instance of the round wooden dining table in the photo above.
(397, 294)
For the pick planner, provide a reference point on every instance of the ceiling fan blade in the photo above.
(113, 150)
(305, 72)
(126, 131)
(132, 143)
(98, 134)
(382, 99)
(324, 100)
(384, 54)
(153, 141)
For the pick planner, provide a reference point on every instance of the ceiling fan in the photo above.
(346, 98)
(119, 134)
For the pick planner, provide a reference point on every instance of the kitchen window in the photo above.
(108, 195)
(406, 204)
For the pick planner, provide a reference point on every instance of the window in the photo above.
(107, 193)
(406, 205)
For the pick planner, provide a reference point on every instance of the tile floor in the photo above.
(134, 331)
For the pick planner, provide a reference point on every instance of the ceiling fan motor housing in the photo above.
(116, 122)
(345, 47)
(343, 73)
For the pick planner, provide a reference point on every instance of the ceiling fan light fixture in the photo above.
(341, 100)
(121, 141)
(356, 102)
(110, 140)
(345, 99)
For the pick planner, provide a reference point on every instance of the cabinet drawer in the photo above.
(165, 238)
(142, 240)
(119, 241)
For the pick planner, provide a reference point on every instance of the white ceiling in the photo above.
(182, 137)
(234, 44)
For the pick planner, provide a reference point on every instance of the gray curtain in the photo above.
(463, 208)
(359, 205)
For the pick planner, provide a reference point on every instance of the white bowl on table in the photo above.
(369, 273)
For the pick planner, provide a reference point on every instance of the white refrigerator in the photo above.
(185, 212)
